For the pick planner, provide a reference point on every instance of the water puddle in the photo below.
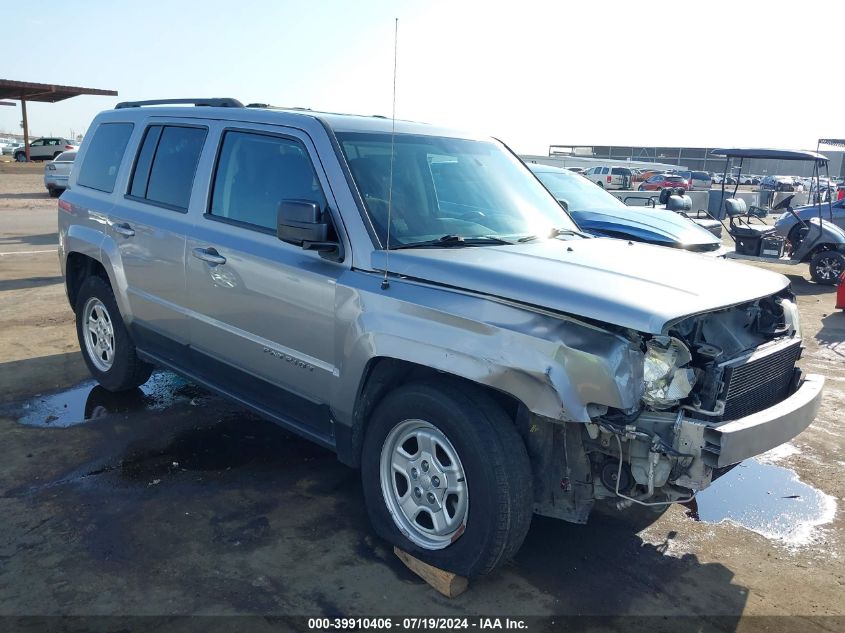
(89, 401)
(766, 499)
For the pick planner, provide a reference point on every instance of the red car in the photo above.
(664, 181)
(840, 294)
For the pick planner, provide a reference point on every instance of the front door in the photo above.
(262, 308)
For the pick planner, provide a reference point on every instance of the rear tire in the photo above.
(106, 347)
(826, 267)
(54, 193)
(20, 157)
(429, 433)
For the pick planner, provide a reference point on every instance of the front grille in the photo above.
(760, 382)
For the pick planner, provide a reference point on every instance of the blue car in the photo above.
(787, 222)
(600, 213)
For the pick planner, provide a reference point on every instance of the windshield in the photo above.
(578, 193)
(448, 187)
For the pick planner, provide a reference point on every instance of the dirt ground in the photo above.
(174, 502)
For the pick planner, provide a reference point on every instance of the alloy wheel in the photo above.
(99, 334)
(424, 484)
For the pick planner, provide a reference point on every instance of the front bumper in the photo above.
(759, 432)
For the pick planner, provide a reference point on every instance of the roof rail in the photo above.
(272, 107)
(224, 102)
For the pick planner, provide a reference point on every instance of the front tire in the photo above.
(826, 267)
(20, 157)
(446, 477)
(106, 347)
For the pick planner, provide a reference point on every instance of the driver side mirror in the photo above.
(564, 204)
(302, 223)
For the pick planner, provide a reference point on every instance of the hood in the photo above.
(633, 285)
(656, 226)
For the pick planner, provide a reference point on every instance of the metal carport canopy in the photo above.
(777, 154)
(50, 93)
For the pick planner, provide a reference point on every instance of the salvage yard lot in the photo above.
(175, 502)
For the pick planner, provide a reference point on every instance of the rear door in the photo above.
(149, 223)
(263, 310)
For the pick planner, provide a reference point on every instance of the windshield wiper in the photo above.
(555, 232)
(453, 241)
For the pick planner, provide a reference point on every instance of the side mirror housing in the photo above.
(301, 223)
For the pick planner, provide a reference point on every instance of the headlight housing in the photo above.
(791, 317)
(667, 380)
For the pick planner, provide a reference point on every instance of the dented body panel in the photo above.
(556, 366)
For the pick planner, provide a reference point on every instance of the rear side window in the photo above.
(166, 164)
(255, 172)
(102, 160)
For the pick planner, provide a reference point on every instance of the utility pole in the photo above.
(25, 129)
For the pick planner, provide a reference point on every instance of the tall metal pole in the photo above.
(25, 129)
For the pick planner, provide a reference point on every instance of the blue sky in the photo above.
(531, 73)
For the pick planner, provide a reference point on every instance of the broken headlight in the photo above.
(667, 379)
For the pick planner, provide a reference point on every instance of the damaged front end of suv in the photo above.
(713, 389)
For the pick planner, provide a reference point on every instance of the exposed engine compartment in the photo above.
(704, 371)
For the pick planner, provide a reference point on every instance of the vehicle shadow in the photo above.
(25, 377)
(832, 332)
(31, 282)
(605, 569)
(806, 288)
(25, 196)
(42, 239)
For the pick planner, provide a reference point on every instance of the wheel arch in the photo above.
(78, 267)
(384, 374)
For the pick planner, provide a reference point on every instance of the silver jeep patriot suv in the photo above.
(414, 299)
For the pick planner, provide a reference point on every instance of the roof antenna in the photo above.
(385, 284)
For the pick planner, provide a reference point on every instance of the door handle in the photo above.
(209, 255)
(123, 229)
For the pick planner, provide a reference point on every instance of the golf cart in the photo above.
(676, 200)
(818, 241)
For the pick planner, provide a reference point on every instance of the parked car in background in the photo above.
(698, 180)
(645, 174)
(610, 177)
(600, 213)
(718, 178)
(664, 181)
(787, 224)
(9, 148)
(57, 171)
(825, 186)
(45, 149)
(778, 183)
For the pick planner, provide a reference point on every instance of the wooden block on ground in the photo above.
(449, 584)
